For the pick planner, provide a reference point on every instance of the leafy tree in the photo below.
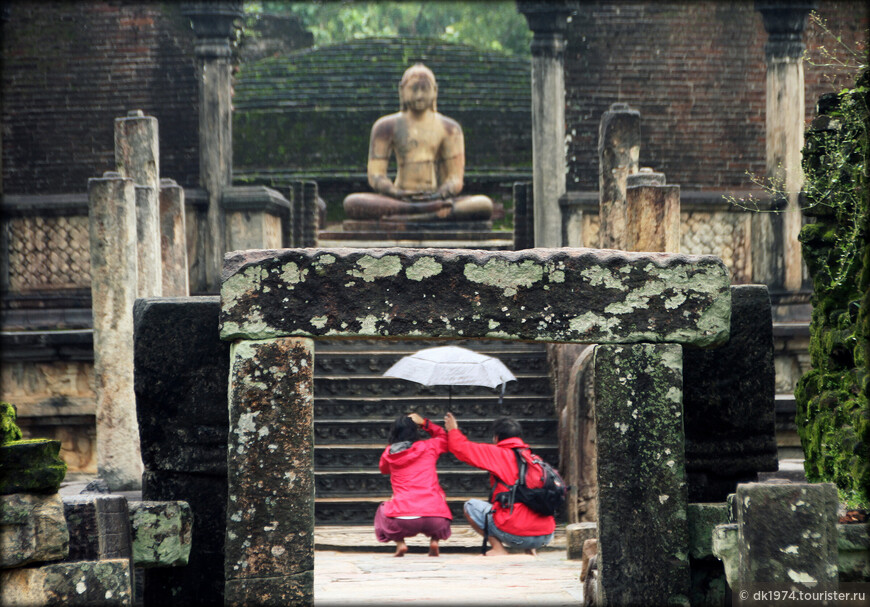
(491, 25)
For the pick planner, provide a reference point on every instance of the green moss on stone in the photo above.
(9, 430)
(31, 466)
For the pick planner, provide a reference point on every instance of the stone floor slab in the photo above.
(343, 578)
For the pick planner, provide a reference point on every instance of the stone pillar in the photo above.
(112, 223)
(173, 240)
(181, 401)
(137, 157)
(652, 213)
(642, 559)
(270, 512)
(214, 24)
(784, 122)
(787, 535)
(618, 154)
(255, 217)
(524, 217)
(548, 22)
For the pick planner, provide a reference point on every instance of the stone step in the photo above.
(390, 388)
(361, 510)
(361, 538)
(366, 431)
(376, 363)
(434, 407)
(341, 458)
(355, 482)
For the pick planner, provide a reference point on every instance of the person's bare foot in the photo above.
(497, 548)
(532, 552)
(401, 549)
(434, 550)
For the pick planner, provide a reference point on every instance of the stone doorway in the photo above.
(275, 302)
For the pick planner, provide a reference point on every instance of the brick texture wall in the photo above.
(696, 72)
(70, 68)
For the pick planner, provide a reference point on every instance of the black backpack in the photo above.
(548, 499)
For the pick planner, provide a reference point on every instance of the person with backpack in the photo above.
(507, 521)
(418, 504)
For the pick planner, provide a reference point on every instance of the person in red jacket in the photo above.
(418, 504)
(522, 528)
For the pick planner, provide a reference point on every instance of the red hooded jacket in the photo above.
(416, 491)
(501, 463)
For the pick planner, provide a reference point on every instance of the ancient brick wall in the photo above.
(696, 72)
(70, 68)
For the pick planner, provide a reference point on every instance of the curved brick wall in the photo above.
(310, 112)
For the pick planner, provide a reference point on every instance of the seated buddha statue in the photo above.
(430, 157)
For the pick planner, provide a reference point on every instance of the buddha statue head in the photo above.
(418, 90)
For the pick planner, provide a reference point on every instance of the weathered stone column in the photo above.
(213, 24)
(618, 154)
(112, 226)
(642, 559)
(548, 22)
(137, 157)
(784, 122)
(787, 534)
(652, 213)
(270, 460)
(173, 240)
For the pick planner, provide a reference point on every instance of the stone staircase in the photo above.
(354, 407)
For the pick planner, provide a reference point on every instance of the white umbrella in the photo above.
(451, 366)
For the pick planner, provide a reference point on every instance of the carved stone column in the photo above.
(548, 22)
(784, 22)
(214, 26)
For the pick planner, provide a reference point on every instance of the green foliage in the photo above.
(833, 415)
(494, 26)
(9, 430)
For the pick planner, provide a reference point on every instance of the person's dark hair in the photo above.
(506, 427)
(403, 429)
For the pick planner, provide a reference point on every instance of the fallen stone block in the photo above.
(853, 552)
(32, 529)
(576, 534)
(801, 547)
(31, 466)
(99, 527)
(162, 533)
(91, 583)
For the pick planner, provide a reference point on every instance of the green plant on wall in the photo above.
(833, 416)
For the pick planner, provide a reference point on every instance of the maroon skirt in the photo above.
(389, 529)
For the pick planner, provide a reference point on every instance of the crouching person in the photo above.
(418, 504)
(504, 522)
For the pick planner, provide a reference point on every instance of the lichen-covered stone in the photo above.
(32, 529)
(570, 295)
(161, 533)
(270, 510)
(728, 399)
(99, 526)
(9, 430)
(643, 558)
(703, 518)
(80, 583)
(31, 466)
(853, 552)
(272, 591)
(788, 534)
